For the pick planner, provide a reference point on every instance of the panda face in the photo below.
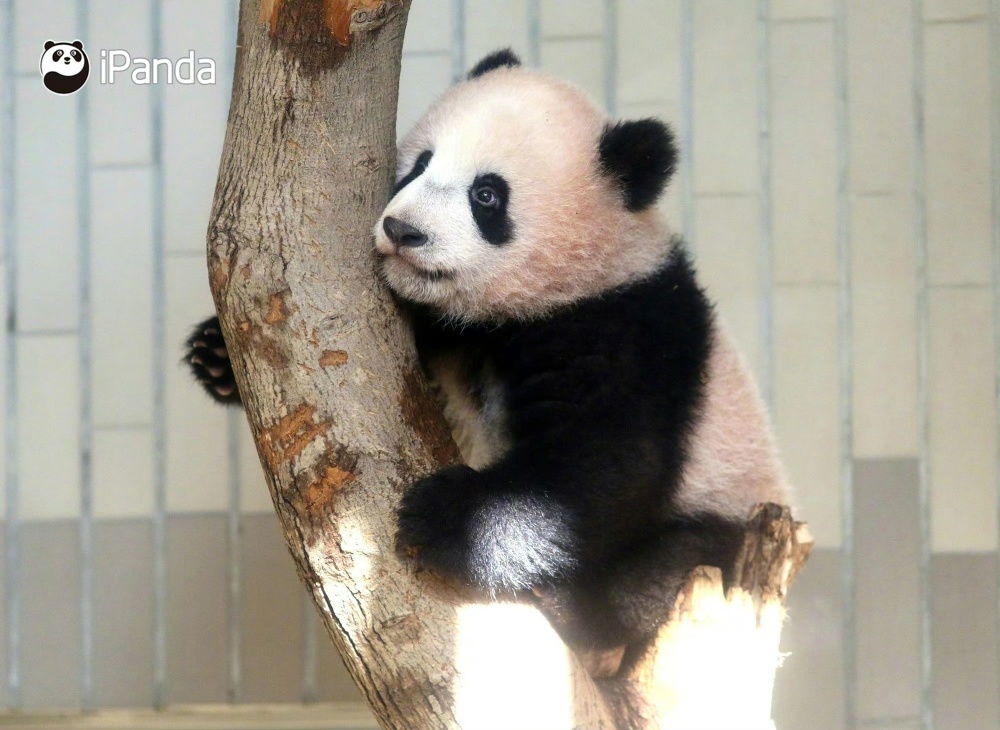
(64, 59)
(503, 210)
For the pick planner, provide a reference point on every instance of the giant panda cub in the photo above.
(612, 435)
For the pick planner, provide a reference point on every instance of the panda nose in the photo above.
(403, 234)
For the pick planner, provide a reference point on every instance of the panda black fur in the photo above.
(613, 438)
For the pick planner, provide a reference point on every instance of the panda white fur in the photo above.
(612, 434)
(64, 67)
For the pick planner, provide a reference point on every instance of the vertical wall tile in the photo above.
(729, 265)
(572, 18)
(123, 473)
(3, 386)
(273, 622)
(884, 300)
(48, 427)
(422, 80)
(196, 609)
(963, 432)
(809, 686)
(123, 613)
(121, 130)
(880, 94)
(197, 444)
(494, 24)
(887, 587)
(649, 51)
(804, 166)
(725, 97)
(50, 615)
(37, 22)
(801, 9)
(959, 188)
(955, 9)
(578, 60)
(429, 27)
(194, 121)
(806, 409)
(964, 641)
(121, 299)
(4, 686)
(47, 215)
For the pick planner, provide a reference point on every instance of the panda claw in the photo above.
(208, 358)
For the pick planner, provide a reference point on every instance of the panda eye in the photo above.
(487, 197)
(75, 55)
(57, 55)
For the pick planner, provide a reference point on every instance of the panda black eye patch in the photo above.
(419, 167)
(488, 196)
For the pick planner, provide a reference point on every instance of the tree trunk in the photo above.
(343, 420)
(340, 412)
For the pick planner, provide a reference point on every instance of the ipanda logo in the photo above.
(65, 67)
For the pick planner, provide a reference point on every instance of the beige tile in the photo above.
(123, 613)
(123, 473)
(422, 80)
(196, 609)
(255, 498)
(3, 386)
(955, 9)
(494, 24)
(729, 266)
(806, 410)
(963, 436)
(572, 17)
(38, 22)
(121, 297)
(47, 210)
(273, 623)
(964, 645)
(649, 51)
(725, 96)
(799, 9)
(579, 61)
(959, 189)
(197, 464)
(121, 119)
(4, 687)
(48, 427)
(49, 585)
(884, 301)
(809, 686)
(887, 587)
(194, 122)
(804, 166)
(880, 89)
(429, 26)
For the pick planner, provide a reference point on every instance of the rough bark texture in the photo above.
(342, 418)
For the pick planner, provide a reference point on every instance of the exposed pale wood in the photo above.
(714, 662)
(339, 410)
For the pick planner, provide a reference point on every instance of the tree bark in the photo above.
(341, 415)
(343, 420)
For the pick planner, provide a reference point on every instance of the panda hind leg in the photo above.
(207, 356)
(611, 618)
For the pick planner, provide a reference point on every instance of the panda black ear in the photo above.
(641, 156)
(49, 44)
(498, 59)
(78, 44)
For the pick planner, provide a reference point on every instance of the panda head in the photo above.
(64, 66)
(517, 195)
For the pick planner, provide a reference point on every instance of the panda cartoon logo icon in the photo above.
(64, 67)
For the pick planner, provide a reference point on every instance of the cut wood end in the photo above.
(344, 17)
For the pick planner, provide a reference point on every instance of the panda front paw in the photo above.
(208, 359)
(434, 521)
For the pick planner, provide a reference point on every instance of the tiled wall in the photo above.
(846, 230)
